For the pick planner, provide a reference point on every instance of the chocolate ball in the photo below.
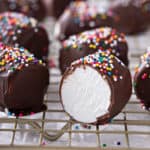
(32, 8)
(95, 88)
(79, 17)
(142, 80)
(89, 42)
(19, 30)
(23, 80)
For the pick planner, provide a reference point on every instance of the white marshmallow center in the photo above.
(86, 95)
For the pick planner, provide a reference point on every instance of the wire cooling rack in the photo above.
(53, 129)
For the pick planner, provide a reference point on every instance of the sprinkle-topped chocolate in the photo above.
(89, 42)
(146, 58)
(98, 38)
(82, 11)
(145, 61)
(19, 30)
(12, 59)
(95, 88)
(23, 81)
(103, 61)
(81, 16)
(142, 80)
(32, 8)
(12, 23)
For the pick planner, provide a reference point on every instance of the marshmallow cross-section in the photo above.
(95, 88)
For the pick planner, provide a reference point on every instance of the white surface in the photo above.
(85, 94)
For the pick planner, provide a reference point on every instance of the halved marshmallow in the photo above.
(95, 88)
(86, 94)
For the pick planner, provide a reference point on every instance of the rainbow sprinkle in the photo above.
(100, 38)
(12, 59)
(84, 14)
(27, 7)
(145, 61)
(104, 62)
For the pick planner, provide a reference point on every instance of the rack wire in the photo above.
(54, 129)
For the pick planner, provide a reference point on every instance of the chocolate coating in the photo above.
(116, 74)
(79, 17)
(89, 42)
(23, 80)
(32, 8)
(18, 30)
(142, 80)
(56, 7)
(129, 16)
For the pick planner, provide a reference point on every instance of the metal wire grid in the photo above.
(53, 129)
(50, 137)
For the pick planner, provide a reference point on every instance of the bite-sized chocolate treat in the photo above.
(21, 31)
(79, 17)
(95, 88)
(32, 8)
(23, 80)
(142, 80)
(128, 16)
(89, 42)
